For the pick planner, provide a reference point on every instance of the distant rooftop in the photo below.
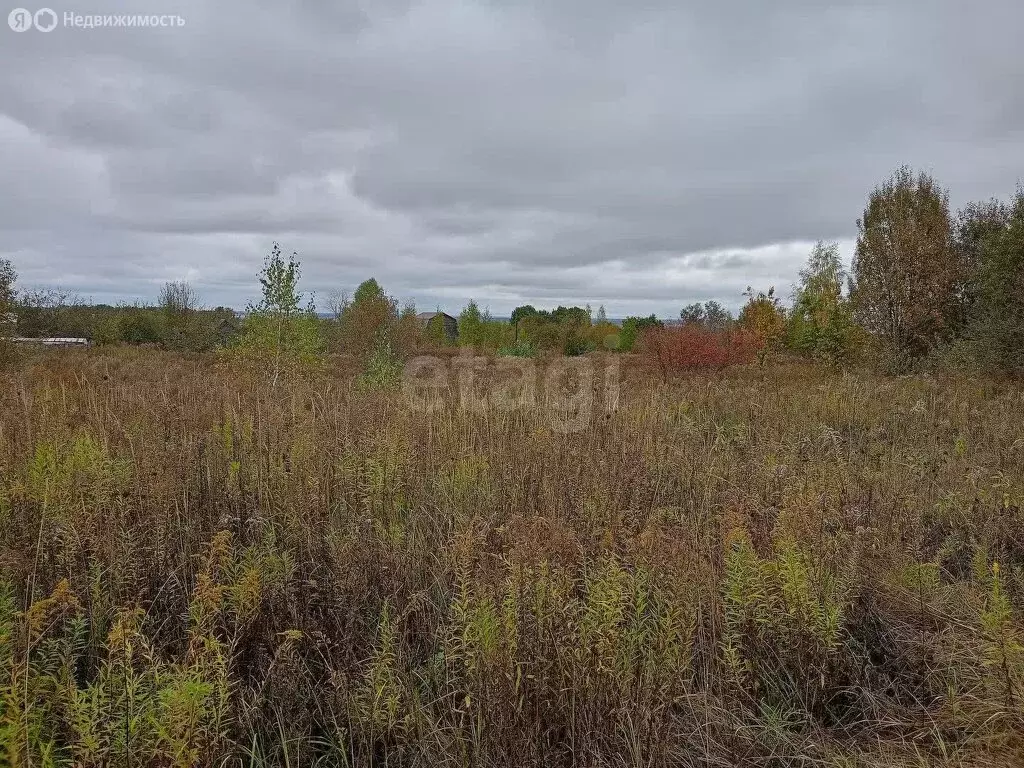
(52, 341)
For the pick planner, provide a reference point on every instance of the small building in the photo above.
(448, 323)
(52, 341)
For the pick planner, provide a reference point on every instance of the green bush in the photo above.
(521, 348)
(577, 345)
(279, 336)
(383, 369)
(632, 327)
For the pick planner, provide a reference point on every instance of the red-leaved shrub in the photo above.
(693, 347)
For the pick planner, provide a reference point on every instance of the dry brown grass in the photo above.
(768, 567)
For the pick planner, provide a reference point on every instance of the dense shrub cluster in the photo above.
(45, 313)
(695, 347)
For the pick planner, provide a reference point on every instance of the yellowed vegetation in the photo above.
(769, 567)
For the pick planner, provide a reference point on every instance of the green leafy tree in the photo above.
(978, 227)
(907, 277)
(480, 330)
(369, 290)
(692, 314)
(574, 329)
(632, 327)
(717, 317)
(990, 239)
(8, 323)
(571, 326)
(138, 324)
(821, 322)
(764, 316)
(711, 315)
(519, 314)
(178, 304)
(41, 312)
(471, 325)
(368, 321)
(575, 315)
(8, 297)
(539, 330)
(409, 333)
(497, 333)
(107, 329)
(278, 330)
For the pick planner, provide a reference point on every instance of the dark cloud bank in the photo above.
(642, 156)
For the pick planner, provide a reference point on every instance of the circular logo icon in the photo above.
(20, 20)
(45, 20)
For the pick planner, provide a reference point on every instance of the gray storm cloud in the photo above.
(543, 152)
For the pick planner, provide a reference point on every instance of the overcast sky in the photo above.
(642, 156)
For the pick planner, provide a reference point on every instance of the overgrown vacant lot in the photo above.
(768, 567)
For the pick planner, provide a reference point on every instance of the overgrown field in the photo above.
(768, 567)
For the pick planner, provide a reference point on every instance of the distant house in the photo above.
(449, 323)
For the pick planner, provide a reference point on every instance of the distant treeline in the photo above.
(186, 328)
(926, 288)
